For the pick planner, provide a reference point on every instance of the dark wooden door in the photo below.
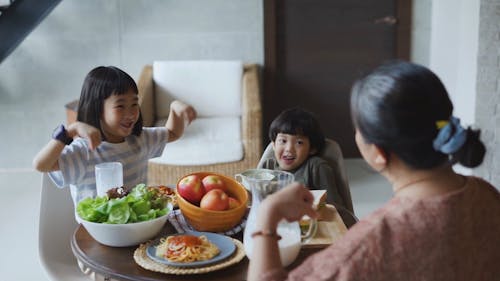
(315, 49)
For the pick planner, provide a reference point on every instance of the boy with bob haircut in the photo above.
(297, 139)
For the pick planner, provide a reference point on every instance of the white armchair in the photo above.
(227, 135)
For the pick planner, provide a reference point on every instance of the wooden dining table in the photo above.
(118, 262)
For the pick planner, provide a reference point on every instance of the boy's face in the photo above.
(291, 150)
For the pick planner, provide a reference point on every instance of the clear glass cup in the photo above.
(108, 175)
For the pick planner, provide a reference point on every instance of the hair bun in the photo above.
(472, 152)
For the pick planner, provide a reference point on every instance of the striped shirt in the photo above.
(77, 162)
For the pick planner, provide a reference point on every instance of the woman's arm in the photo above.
(265, 252)
(290, 203)
(180, 116)
(46, 159)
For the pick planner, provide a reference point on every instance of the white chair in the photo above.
(56, 226)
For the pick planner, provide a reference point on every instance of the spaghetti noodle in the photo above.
(186, 248)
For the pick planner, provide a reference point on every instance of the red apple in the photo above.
(215, 200)
(213, 182)
(233, 203)
(191, 189)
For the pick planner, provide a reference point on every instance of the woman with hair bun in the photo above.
(439, 225)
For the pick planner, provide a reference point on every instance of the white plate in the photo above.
(224, 243)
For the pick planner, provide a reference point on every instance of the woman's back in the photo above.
(449, 237)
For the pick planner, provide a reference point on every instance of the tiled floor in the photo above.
(21, 200)
(19, 229)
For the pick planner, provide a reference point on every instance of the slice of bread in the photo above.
(319, 198)
(318, 203)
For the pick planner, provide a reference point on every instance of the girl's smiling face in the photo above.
(120, 113)
(291, 150)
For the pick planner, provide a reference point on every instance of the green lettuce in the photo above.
(140, 204)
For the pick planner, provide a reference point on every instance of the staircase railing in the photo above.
(18, 19)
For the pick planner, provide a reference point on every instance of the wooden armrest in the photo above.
(145, 86)
(252, 110)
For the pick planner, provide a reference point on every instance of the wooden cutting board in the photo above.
(330, 228)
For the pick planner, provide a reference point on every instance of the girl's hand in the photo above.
(181, 115)
(184, 111)
(86, 131)
(291, 203)
(47, 159)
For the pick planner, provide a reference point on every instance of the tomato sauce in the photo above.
(187, 240)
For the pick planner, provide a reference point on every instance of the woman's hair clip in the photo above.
(451, 136)
(441, 123)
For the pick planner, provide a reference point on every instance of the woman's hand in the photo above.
(290, 203)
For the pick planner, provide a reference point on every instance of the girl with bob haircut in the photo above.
(108, 129)
(439, 225)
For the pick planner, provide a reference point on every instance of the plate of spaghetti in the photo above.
(191, 249)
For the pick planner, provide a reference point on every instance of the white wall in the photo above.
(421, 32)
(453, 52)
(445, 39)
(488, 89)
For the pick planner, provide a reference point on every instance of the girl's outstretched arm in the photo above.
(180, 116)
(46, 159)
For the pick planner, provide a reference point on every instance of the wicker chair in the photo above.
(251, 126)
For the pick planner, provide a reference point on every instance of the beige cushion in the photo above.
(212, 87)
(206, 141)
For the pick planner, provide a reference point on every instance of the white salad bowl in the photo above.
(127, 234)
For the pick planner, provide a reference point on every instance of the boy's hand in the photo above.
(86, 131)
